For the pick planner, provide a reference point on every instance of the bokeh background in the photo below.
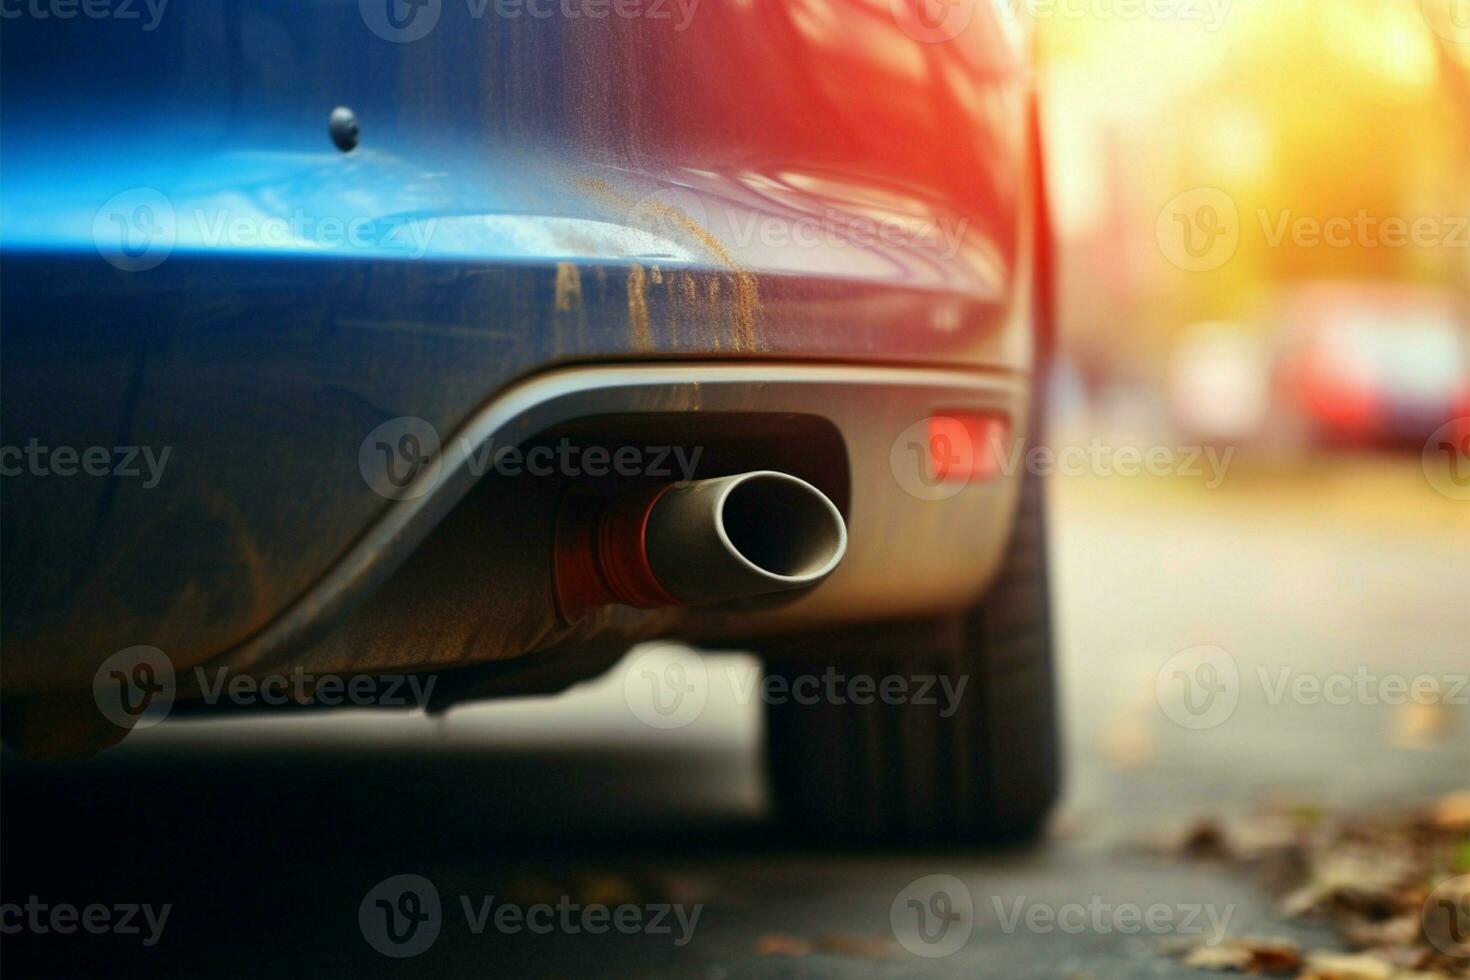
(1250, 125)
(1264, 217)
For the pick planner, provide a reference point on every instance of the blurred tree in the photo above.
(1301, 113)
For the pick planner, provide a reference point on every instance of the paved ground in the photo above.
(265, 837)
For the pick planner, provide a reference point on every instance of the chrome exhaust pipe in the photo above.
(743, 535)
(726, 538)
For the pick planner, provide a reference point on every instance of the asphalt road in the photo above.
(265, 838)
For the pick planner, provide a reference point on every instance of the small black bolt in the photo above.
(344, 128)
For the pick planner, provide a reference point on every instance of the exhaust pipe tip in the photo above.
(726, 538)
(745, 535)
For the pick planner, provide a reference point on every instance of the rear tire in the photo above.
(902, 773)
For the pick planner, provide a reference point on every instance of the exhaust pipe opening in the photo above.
(783, 526)
(727, 538)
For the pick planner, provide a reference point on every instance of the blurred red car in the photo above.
(1373, 365)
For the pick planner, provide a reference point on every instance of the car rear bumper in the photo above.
(920, 544)
(195, 276)
(458, 556)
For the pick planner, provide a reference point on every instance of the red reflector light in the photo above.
(968, 447)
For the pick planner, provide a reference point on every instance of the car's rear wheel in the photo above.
(971, 763)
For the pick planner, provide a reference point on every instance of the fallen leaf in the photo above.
(1397, 931)
(1229, 956)
(1248, 955)
(1337, 966)
(1370, 877)
(1452, 812)
(1205, 839)
(1350, 877)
